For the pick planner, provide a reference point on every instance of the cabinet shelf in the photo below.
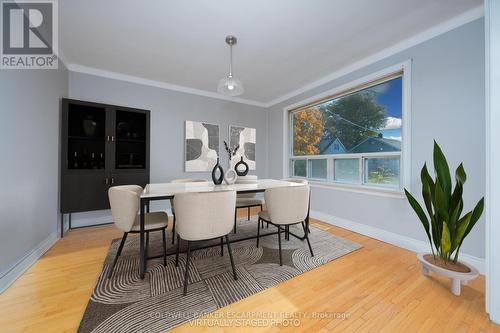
(85, 138)
(131, 140)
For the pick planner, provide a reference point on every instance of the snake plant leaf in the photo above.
(462, 225)
(460, 175)
(427, 190)
(441, 202)
(476, 214)
(442, 170)
(420, 213)
(445, 241)
(456, 196)
(454, 217)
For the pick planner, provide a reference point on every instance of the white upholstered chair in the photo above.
(247, 200)
(204, 216)
(124, 201)
(305, 182)
(183, 180)
(286, 206)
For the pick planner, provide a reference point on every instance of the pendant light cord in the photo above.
(231, 60)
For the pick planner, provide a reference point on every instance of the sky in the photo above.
(389, 94)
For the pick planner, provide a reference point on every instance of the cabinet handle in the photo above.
(112, 180)
(108, 138)
(106, 181)
(112, 138)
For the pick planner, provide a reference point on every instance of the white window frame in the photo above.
(405, 154)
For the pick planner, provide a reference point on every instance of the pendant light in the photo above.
(230, 85)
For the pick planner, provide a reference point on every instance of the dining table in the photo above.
(164, 191)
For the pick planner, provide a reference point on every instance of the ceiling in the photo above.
(283, 45)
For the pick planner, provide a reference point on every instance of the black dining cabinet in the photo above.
(102, 145)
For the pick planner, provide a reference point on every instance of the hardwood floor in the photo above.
(377, 289)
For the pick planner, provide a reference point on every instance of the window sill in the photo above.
(378, 191)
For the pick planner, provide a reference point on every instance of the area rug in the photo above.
(125, 303)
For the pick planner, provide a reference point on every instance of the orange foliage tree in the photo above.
(307, 131)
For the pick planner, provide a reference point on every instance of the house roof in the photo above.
(376, 145)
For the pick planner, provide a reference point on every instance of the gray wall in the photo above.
(169, 110)
(447, 105)
(29, 141)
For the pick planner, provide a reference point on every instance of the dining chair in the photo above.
(247, 200)
(125, 201)
(204, 216)
(286, 206)
(184, 180)
(305, 182)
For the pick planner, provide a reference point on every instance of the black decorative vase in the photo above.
(237, 169)
(217, 181)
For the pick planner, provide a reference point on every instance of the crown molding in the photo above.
(453, 23)
(158, 84)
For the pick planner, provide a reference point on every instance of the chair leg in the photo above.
(187, 267)
(222, 246)
(279, 244)
(261, 209)
(173, 231)
(231, 257)
(120, 248)
(147, 243)
(307, 239)
(177, 252)
(235, 213)
(258, 231)
(164, 236)
(248, 218)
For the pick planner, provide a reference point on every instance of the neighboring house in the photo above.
(377, 145)
(327, 146)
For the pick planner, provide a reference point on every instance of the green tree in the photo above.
(352, 118)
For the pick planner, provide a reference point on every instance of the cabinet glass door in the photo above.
(86, 137)
(130, 147)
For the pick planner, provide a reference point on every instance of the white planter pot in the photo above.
(457, 278)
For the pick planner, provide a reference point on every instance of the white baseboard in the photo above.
(26, 262)
(404, 242)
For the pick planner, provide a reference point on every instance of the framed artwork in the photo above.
(246, 138)
(201, 146)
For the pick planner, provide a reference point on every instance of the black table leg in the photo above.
(142, 259)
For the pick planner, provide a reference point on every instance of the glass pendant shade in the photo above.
(230, 86)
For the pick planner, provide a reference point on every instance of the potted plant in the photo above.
(445, 225)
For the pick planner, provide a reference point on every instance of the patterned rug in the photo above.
(125, 303)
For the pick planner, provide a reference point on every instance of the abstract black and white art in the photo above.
(202, 146)
(246, 138)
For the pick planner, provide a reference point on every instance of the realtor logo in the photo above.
(29, 34)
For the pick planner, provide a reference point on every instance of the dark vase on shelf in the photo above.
(215, 179)
(75, 160)
(101, 161)
(238, 165)
(89, 126)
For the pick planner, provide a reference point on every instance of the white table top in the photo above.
(168, 190)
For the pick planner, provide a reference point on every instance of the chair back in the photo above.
(124, 201)
(248, 179)
(287, 205)
(206, 215)
(185, 180)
